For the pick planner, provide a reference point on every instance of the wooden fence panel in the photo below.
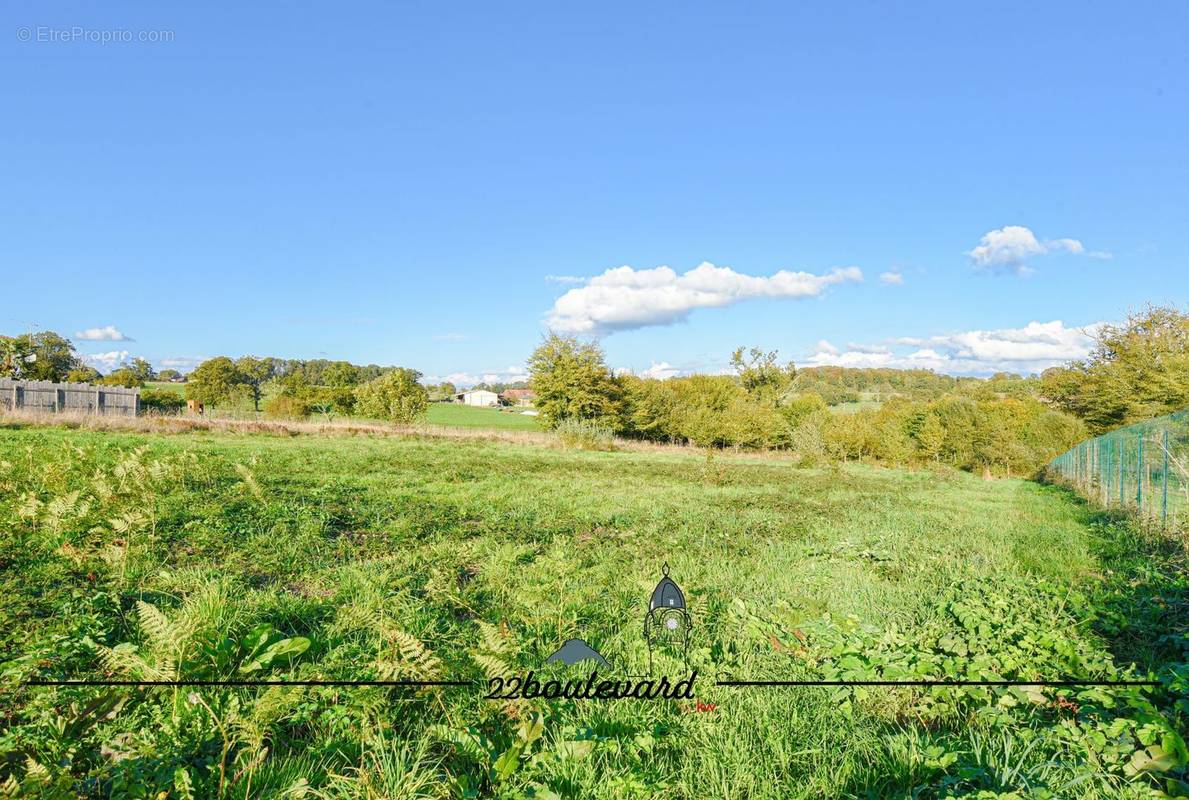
(50, 397)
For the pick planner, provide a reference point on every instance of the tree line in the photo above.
(304, 387)
(1007, 424)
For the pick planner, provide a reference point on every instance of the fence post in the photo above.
(1098, 469)
(1123, 479)
(1110, 468)
(1164, 479)
(1139, 473)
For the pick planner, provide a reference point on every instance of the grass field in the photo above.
(217, 556)
(168, 386)
(476, 417)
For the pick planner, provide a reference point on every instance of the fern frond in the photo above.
(125, 660)
(413, 661)
(494, 638)
(157, 628)
(493, 666)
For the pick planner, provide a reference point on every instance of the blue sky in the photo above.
(396, 183)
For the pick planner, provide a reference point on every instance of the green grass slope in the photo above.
(231, 556)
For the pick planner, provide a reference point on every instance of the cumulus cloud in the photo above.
(892, 278)
(105, 362)
(565, 279)
(182, 362)
(108, 333)
(660, 370)
(1007, 249)
(1032, 348)
(625, 298)
(511, 374)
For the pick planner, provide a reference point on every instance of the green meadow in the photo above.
(457, 415)
(217, 556)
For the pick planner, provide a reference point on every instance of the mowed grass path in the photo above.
(417, 558)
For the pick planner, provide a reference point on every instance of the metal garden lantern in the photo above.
(667, 622)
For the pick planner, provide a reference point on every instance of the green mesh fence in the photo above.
(1144, 467)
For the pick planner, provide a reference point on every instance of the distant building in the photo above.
(519, 397)
(477, 397)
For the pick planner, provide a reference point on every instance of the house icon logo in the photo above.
(667, 625)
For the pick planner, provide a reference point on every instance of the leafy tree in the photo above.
(572, 380)
(800, 407)
(143, 369)
(930, 436)
(397, 396)
(650, 408)
(53, 356)
(1138, 370)
(16, 356)
(124, 376)
(340, 373)
(83, 374)
(168, 374)
(214, 381)
(253, 373)
(761, 376)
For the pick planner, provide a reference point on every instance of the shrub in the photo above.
(585, 434)
(83, 375)
(395, 396)
(285, 407)
(572, 380)
(161, 401)
(124, 376)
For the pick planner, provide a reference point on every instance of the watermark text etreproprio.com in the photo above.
(48, 34)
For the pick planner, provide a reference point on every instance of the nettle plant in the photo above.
(1011, 630)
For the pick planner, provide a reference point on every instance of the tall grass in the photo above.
(225, 552)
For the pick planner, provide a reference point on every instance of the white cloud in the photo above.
(892, 278)
(107, 361)
(1033, 348)
(450, 337)
(510, 374)
(108, 333)
(1007, 249)
(565, 279)
(660, 370)
(182, 362)
(625, 298)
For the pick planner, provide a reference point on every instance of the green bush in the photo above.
(284, 407)
(124, 376)
(395, 396)
(161, 401)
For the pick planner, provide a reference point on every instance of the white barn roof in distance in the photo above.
(478, 397)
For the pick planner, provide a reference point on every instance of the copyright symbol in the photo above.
(24, 34)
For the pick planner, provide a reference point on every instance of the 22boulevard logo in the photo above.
(666, 627)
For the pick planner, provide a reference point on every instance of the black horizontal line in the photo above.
(246, 683)
(938, 683)
(943, 683)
